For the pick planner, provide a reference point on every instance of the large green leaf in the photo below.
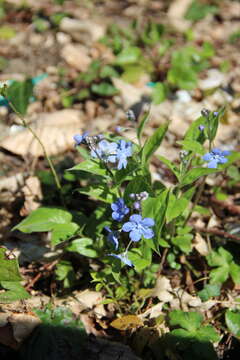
(44, 219)
(14, 291)
(62, 232)
(153, 143)
(20, 93)
(190, 321)
(232, 319)
(9, 270)
(195, 173)
(92, 166)
(82, 246)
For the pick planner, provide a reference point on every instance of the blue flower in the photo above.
(124, 150)
(123, 257)
(112, 236)
(215, 157)
(105, 150)
(201, 127)
(138, 227)
(79, 139)
(119, 209)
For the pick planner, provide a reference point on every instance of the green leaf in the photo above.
(44, 219)
(155, 208)
(195, 173)
(9, 270)
(191, 145)
(7, 32)
(219, 275)
(108, 72)
(207, 333)
(92, 166)
(138, 261)
(232, 319)
(129, 55)
(132, 73)
(20, 93)
(198, 10)
(219, 257)
(142, 124)
(176, 207)
(209, 290)
(193, 132)
(234, 271)
(65, 273)
(160, 92)
(153, 143)
(190, 321)
(99, 192)
(137, 185)
(170, 165)
(15, 291)
(82, 246)
(62, 232)
(104, 89)
(183, 242)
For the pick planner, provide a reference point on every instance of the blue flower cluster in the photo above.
(106, 151)
(215, 157)
(137, 227)
(113, 152)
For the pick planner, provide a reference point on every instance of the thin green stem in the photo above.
(197, 197)
(26, 125)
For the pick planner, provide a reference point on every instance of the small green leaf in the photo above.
(100, 192)
(190, 321)
(234, 270)
(44, 219)
(82, 246)
(15, 291)
(160, 92)
(104, 89)
(194, 146)
(20, 93)
(9, 270)
(170, 165)
(195, 173)
(232, 319)
(129, 55)
(142, 124)
(209, 290)
(183, 242)
(176, 207)
(92, 166)
(198, 10)
(219, 275)
(207, 333)
(62, 232)
(153, 143)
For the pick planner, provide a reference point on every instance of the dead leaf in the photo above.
(200, 245)
(127, 322)
(56, 131)
(176, 12)
(76, 56)
(84, 31)
(33, 194)
(162, 289)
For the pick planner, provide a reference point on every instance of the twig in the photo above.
(218, 232)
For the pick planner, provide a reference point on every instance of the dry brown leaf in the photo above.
(88, 299)
(84, 31)
(56, 131)
(200, 245)
(76, 56)
(176, 12)
(162, 289)
(33, 194)
(127, 322)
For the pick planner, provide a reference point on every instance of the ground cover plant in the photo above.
(139, 244)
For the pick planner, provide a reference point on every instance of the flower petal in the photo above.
(136, 218)
(135, 235)
(147, 233)
(222, 160)
(128, 226)
(213, 164)
(148, 222)
(207, 157)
